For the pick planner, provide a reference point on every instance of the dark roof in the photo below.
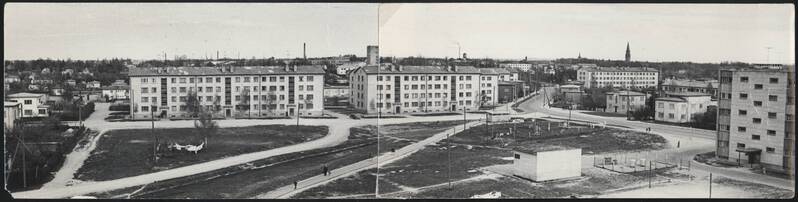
(534, 150)
(686, 94)
(247, 70)
(690, 83)
(493, 71)
(671, 99)
(626, 92)
(618, 69)
(394, 69)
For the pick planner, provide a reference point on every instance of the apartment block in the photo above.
(756, 121)
(622, 102)
(680, 107)
(624, 77)
(32, 104)
(394, 89)
(251, 91)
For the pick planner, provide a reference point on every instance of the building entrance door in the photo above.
(228, 113)
(398, 109)
(454, 107)
(291, 112)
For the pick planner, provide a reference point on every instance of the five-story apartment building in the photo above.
(624, 77)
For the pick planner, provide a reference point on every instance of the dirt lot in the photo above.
(124, 153)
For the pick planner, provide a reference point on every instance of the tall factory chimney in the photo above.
(304, 51)
(372, 55)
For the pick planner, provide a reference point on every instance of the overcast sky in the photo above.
(677, 32)
(145, 31)
(700, 33)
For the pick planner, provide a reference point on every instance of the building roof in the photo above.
(533, 150)
(25, 95)
(618, 69)
(247, 70)
(493, 71)
(394, 69)
(687, 94)
(691, 83)
(670, 99)
(569, 86)
(510, 82)
(115, 87)
(627, 92)
(10, 104)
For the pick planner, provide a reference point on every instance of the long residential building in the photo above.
(682, 86)
(624, 77)
(251, 91)
(394, 89)
(756, 120)
(681, 107)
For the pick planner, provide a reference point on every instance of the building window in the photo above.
(743, 96)
(770, 150)
(772, 115)
(774, 80)
(758, 103)
(742, 112)
(757, 120)
(744, 79)
(740, 129)
(145, 108)
(740, 145)
(758, 86)
(755, 137)
(771, 132)
(517, 156)
(773, 97)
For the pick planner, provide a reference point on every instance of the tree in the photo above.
(193, 104)
(206, 126)
(269, 100)
(243, 103)
(706, 120)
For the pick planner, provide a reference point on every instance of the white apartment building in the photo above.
(32, 104)
(680, 107)
(622, 102)
(756, 117)
(520, 66)
(395, 89)
(489, 84)
(252, 91)
(117, 90)
(625, 77)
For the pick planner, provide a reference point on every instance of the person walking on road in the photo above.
(324, 170)
(295, 183)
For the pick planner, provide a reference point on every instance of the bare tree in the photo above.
(206, 126)
(269, 100)
(193, 104)
(243, 104)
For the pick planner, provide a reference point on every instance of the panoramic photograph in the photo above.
(398, 101)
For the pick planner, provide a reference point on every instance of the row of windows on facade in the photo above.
(624, 82)
(183, 108)
(671, 116)
(622, 73)
(428, 86)
(623, 98)
(427, 95)
(421, 104)
(744, 96)
(237, 79)
(422, 78)
(624, 78)
(219, 89)
(308, 97)
(30, 112)
(767, 149)
(743, 129)
(673, 106)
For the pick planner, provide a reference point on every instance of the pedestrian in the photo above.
(325, 170)
(678, 143)
(295, 183)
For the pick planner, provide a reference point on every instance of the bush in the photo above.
(120, 107)
(71, 112)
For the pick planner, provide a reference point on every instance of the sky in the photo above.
(146, 31)
(663, 32)
(675, 32)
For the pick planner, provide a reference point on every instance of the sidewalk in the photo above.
(386, 158)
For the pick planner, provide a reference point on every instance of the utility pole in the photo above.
(710, 185)
(449, 161)
(377, 175)
(152, 132)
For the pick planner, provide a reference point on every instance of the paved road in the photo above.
(338, 128)
(692, 141)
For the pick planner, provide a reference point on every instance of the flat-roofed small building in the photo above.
(547, 163)
(625, 101)
(33, 104)
(572, 93)
(681, 107)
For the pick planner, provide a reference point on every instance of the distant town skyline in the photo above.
(709, 33)
(753, 33)
(147, 30)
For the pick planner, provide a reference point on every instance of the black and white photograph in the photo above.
(312, 100)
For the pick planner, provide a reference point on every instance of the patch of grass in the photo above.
(431, 165)
(763, 191)
(361, 183)
(124, 153)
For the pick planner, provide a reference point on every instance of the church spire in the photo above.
(628, 53)
(580, 56)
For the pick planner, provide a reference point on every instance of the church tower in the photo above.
(628, 53)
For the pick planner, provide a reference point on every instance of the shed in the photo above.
(547, 163)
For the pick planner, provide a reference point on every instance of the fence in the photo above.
(634, 162)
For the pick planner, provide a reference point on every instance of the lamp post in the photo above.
(152, 133)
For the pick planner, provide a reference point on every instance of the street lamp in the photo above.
(152, 133)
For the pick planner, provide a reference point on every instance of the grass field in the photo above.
(236, 182)
(124, 153)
